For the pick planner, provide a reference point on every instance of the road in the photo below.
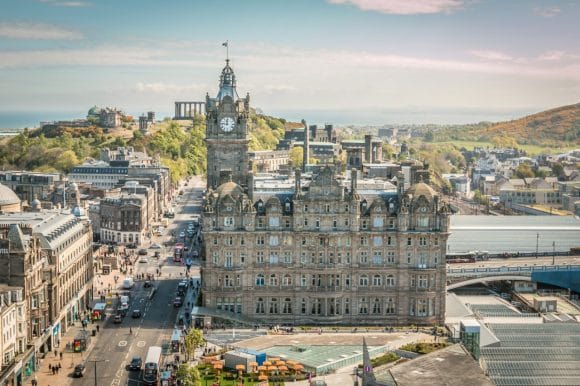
(522, 261)
(116, 346)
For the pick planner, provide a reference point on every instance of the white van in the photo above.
(124, 299)
(128, 283)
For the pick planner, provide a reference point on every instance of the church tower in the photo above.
(226, 135)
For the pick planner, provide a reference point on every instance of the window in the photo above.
(273, 280)
(260, 223)
(391, 223)
(305, 207)
(274, 241)
(422, 241)
(409, 257)
(377, 241)
(422, 307)
(327, 208)
(377, 258)
(364, 241)
(228, 260)
(334, 223)
(303, 280)
(377, 281)
(274, 222)
(287, 223)
(390, 281)
(422, 260)
(260, 257)
(364, 257)
(228, 221)
(260, 309)
(436, 241)
(287, 280)
(305, 222)
(378, 222)
(346, 306)
(303, 306)
(347, 280)
(215, 257)
(377, 307)
(423, 281)
(409, 241)
(390, 309)
(364, 224)
(273, 257)
(259, 280)
(412, 307)
(317, 223)
(260, 240)
(228, 281)
(274, 306)
(423, 221)
(363, 306)
(287, 258)
(390, 257)
(287, 307)
(363, 281)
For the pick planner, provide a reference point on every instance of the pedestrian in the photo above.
(61, 355)
(56, 352)
(53, 370)
(49, 367)
(59, 366)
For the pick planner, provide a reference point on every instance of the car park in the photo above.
(136, 363)
(136, 314)
(79, 370)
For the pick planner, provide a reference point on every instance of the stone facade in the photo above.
(124, 218)
(326, 254)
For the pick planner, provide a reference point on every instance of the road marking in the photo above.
(122, 343)
(141, 343)
(116, 382)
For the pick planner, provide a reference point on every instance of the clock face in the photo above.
(227, 124)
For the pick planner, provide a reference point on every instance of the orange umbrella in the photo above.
(272, 368)
(267, 363)
(282, 368)
(280, 363)
(291, 362)
(298, 367)
(274, 359)
(240, 367)
(218, 366)
(263, 378)
(262, 368)
(253, 364)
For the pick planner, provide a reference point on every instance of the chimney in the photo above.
(353, 181)
(306, 152)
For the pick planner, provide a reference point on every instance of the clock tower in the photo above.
(226, 134)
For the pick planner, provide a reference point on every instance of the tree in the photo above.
(558, 170)
(524, 171)
(193, 340)
(188, 375)
(66, 161)
(296, 156)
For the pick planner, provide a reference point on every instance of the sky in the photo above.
(338, 61)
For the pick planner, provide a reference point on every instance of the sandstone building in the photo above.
(317, 247)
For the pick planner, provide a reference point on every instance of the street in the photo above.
(116, 346)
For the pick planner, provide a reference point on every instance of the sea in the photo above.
(18, 120)
(511, 234)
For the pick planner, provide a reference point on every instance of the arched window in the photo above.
(287, 280)
(273, 281)
(260, 306)
(377, 307)
(287, 307)
(390, 281)
(274, 306)
(363, 306)
(377, 280)
(363, 281)
(260, 280)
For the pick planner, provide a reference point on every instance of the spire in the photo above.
(368, 377)
(228, 83)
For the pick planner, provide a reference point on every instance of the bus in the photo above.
(176, 340)
(152, 364)
(178, 252)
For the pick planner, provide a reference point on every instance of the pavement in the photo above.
(69, 360)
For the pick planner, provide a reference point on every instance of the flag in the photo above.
(225, 44)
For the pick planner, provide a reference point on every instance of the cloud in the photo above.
(405, 7)
(547, 11)
(74, 4)
(169, 88)
(491, 55)
(36, 31)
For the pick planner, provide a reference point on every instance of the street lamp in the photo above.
(537, 242)
(355, 376)
(95, 366)
(553, 252)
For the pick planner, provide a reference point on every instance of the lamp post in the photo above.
(553, 253)
(537, 243)
(95, 366)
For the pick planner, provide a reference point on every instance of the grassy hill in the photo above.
(561, 124)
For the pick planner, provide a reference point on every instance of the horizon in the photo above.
(363, 62)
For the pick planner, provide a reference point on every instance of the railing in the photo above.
(523, 270)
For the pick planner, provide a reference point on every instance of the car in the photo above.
(143, 260)
(118, 319)
(79, 370)
(186, 248)
(157, 254)
(177, 302)
(142, 252)
(182, 234)
(155, 246)
(136, 363)
(147, 284)
(136, 314)
(195, 253)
